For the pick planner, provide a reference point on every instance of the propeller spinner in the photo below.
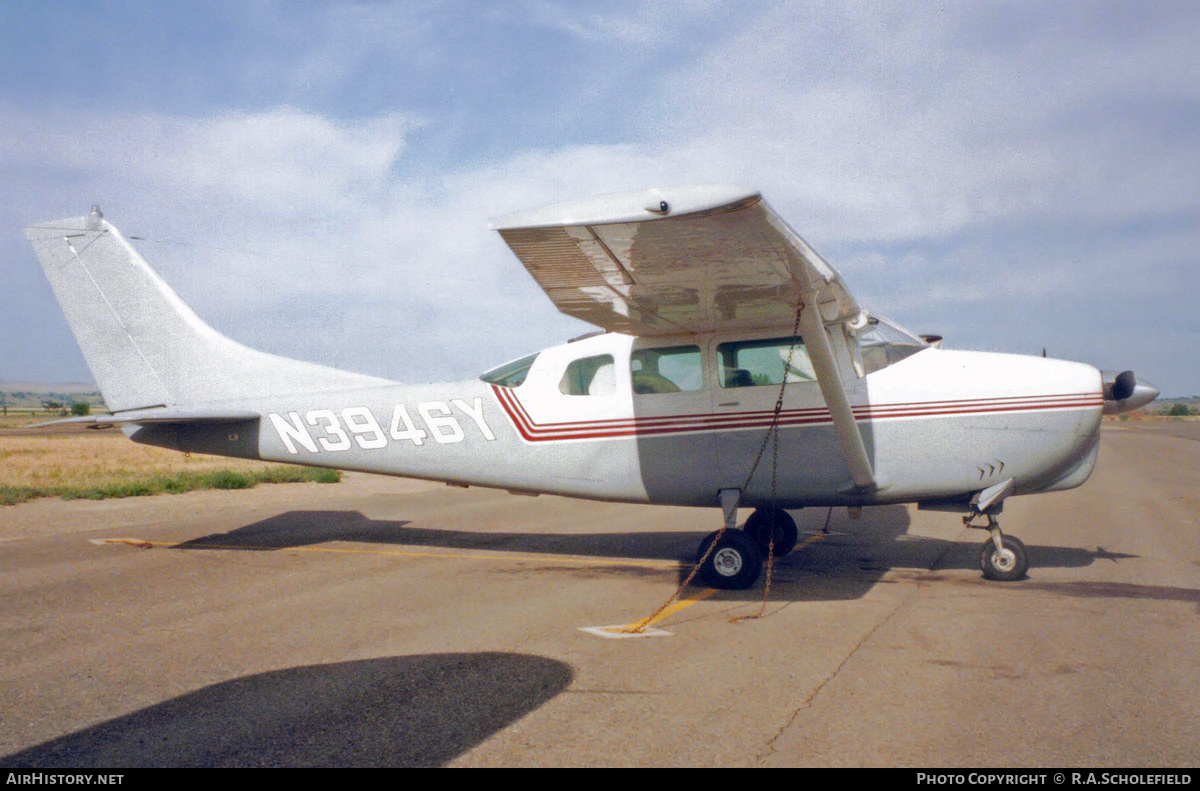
(1124, 393)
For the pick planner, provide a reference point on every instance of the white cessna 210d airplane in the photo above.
(721, 326)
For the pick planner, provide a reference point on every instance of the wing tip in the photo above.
(642, 205)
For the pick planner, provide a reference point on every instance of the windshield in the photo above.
(883, 343)
(511, 374)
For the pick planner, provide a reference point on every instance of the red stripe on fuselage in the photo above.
(533, 431)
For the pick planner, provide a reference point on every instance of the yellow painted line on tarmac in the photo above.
(814, 538)
(516, 557)
(645, 627)
(681, 604)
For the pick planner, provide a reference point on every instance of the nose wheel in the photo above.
(1007, 563)
(1002, 558)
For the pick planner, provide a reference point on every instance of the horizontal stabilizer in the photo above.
(148, 416)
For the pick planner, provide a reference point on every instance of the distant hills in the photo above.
(23, 395)
(48, 387)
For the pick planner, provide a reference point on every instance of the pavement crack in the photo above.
(769, 748)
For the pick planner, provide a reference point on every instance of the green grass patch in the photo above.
(172, 484)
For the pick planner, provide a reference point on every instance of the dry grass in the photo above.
(15, 419)
(106, 464)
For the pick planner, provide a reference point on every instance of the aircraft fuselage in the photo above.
(937, 425)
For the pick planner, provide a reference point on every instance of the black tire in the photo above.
(1004, 569)
(763, 520)
(733, 564)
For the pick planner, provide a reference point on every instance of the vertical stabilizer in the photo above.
(144, 346)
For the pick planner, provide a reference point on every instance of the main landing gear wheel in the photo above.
(763, 521)
(1007, 565)
(733, 564)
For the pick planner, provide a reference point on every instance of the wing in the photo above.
(689, 260)
(675, 261)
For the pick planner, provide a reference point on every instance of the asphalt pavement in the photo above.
(389, 622)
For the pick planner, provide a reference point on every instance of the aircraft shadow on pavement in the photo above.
(843, 563)
(394, 711)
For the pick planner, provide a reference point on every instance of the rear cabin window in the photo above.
(510, 374)
(589, 376)
(764, 362)
(672, 369)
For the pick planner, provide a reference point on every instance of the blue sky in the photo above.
(319, 177)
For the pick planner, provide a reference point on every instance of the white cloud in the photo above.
(280, 161)
(283, 158)
(643, 23)
(261, 211)
(891, 126)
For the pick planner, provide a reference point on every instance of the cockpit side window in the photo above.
(589, 376)
(764, 362)
(511, 374)
(672, 369)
